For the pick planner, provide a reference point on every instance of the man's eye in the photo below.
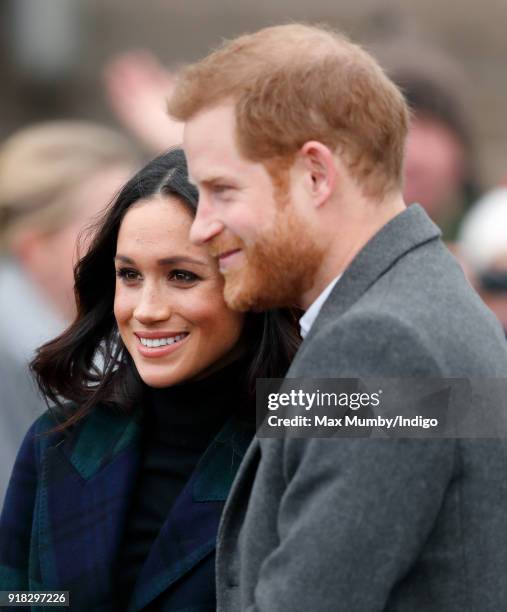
(128, 274)
(183, 276)
(221, 189)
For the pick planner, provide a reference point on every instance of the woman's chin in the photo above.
(162, 379)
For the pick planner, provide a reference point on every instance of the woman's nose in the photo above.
(152, 306)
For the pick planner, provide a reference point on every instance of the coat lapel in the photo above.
(189, 533)
(405, 232)
(86, 484)
(236, 504)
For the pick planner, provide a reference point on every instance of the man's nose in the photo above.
(205, 226)
(152, 306)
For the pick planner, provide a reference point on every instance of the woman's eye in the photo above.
(183, 276)
(128, 275)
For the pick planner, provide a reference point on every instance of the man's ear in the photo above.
(320, 164)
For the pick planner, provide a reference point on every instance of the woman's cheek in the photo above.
(122, 307)
(198, 310)
(214, 320)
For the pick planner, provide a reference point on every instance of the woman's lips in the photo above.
(159, 351)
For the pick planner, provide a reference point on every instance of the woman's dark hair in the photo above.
(88, 364)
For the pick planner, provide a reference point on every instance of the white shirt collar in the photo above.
(307, 320)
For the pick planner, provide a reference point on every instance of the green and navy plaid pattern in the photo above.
(65, 512)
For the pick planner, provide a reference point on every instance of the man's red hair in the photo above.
(295, 83)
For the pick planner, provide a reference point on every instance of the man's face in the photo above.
(260, 239)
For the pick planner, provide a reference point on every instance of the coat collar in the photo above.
(89, 482)
(101, 438)
(190, 531)
(405, 232)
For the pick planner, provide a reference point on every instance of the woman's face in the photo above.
(168, 299)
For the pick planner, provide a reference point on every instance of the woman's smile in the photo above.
(159, 344)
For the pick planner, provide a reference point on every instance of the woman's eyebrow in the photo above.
(124, 259)
(178, 259)
(166, 261)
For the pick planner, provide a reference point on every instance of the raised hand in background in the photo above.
(137, 87)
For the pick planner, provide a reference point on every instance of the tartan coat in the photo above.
(66, 507)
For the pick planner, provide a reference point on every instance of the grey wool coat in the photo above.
(378, 525)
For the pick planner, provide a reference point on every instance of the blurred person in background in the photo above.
(482, 244)
(54, 178)
(439, 168)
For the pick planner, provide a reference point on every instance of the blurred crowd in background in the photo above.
(60, 164)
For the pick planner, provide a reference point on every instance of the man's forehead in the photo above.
(224, 112)
(205, 137)
(211, 150)
(209, 165)
(210, 125)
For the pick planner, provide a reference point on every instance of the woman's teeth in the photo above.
(155, 342)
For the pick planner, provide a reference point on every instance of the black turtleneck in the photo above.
(179, 423)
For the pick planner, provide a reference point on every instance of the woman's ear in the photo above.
(320, 165)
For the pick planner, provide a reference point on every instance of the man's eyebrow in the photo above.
(165, 261)
(213, 180)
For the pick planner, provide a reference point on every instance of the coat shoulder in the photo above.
(365, 342)
(99, 425)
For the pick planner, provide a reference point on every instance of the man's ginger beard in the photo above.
(280, 266)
